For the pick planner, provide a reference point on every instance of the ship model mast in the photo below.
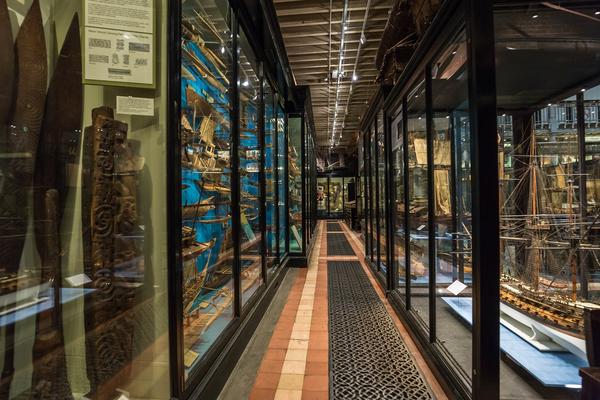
(545, 246)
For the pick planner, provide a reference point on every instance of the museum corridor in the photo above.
(299, 199)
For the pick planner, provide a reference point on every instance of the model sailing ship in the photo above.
(544, 246)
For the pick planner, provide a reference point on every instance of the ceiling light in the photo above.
(454, 52)
(363, 38)
(222, 49)
(245, 83)
(534, 16)
(510, 48)
(345, 28)
(354, 77)
(583, 90)
(549, 104)
(597, 13)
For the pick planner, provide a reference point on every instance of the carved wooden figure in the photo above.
(109, 318)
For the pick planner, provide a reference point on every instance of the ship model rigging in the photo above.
(544, 240)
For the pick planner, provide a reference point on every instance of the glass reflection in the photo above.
(206, 179)
(270, 183)
(281, 177)
(381, 194)
(398, 176)
(249, 159)
(418, 202)
(452, 200)
(335, 197)
(322, 196)
(295, 183)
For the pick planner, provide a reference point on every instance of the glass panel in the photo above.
(335, 197)
(591, 173)
(83, 229)
(349, 193)
(381, 208)
(206, 176)
(373, 196)
(270, 132)
(452, 194)
(295, 182)
(548, 229)
(398, 174)
(249, 158)
(281, 177)
(322, 190)
(365, 193)
(417, 206)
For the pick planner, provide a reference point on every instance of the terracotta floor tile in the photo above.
(262, 394)
(317, 368)
(314, 395)
(289, 318)
(319, 336)
(285, 324)
(271, 366)
(315, 345)
(275, 354)
(316, 382)
(267, 381)
(318, 356)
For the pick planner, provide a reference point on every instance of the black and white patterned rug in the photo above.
(368, 358)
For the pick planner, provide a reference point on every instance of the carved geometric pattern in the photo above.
(334, 227)
(368, 359)
(338, 245)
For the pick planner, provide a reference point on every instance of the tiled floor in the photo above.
(296, 363)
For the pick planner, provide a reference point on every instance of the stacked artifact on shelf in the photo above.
(206, 173)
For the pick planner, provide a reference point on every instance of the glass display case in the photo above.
(295, 183)
(233, 188)
(83, 177)
(399, 217)
(418, 201)
(494, 197)
(249, 156)
(382, 225)
(206, 126)
(270, 181)
(282, 181)
(335, 196)
(143, 177)
(301, 184)
(322, 196)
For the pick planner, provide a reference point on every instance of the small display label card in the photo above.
(135, 106)
(456, 287)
